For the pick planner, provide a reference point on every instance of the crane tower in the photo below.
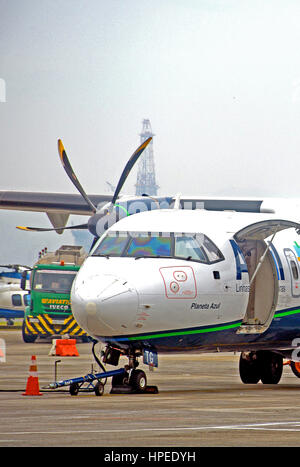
(145, 183)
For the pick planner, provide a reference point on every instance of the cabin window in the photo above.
(16, 299)
(26, 299)
(294, 270)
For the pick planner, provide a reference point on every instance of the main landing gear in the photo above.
(263, 365)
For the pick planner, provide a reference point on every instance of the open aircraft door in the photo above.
(263, 292)
(294, 271)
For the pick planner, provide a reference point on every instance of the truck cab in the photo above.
(49, 313)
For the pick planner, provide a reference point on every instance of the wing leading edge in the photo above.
(50, 202)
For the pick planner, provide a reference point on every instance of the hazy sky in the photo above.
(219, 81)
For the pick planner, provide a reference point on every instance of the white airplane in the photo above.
(173, 278)
(13, 299)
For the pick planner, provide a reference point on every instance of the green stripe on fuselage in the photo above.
(185, 333)
(206, 330)
(286, 313)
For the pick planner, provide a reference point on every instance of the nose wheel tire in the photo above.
(138, 380)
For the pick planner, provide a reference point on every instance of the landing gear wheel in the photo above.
(74, 389)
(99, 389)
(138, 380)
(271, 365)
(295, 366)
(249, 368)
(119, 380)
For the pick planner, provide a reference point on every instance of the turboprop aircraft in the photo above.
(185, 274)
(13, 299)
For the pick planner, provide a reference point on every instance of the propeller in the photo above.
(97, 215)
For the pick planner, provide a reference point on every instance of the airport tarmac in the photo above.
(201, 402)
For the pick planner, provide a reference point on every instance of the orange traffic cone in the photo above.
(32, 387)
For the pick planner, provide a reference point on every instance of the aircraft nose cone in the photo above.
(104, 304)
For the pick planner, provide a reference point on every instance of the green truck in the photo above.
(49, 312)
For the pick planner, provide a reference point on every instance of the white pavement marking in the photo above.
(278, 426)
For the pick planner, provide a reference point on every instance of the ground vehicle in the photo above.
(49, 312)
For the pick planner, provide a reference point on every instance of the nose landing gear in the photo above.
(132, 380)
(127, 380)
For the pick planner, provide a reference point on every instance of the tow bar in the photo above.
(91, 380)
(91, 383)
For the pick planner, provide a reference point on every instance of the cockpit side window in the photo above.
(188, 248)
(212, 252)
(196, 247)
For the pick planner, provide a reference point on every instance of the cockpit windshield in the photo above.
(188, 246)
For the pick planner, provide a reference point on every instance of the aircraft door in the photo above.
(294, 271)
(263, 292)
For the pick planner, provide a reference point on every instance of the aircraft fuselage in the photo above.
(178, 281)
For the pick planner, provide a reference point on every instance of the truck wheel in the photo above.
(85, 339)
(27, 337)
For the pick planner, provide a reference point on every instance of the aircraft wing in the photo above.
(75, 204)
(57, 206)
(223, 204)
(50, 202)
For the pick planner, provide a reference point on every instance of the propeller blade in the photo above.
(42, 229)
(71, 174)
(128, 168)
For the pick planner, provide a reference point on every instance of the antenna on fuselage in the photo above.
(177, 201)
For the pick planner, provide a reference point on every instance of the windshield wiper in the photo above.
(144, 256)
(47, 290)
